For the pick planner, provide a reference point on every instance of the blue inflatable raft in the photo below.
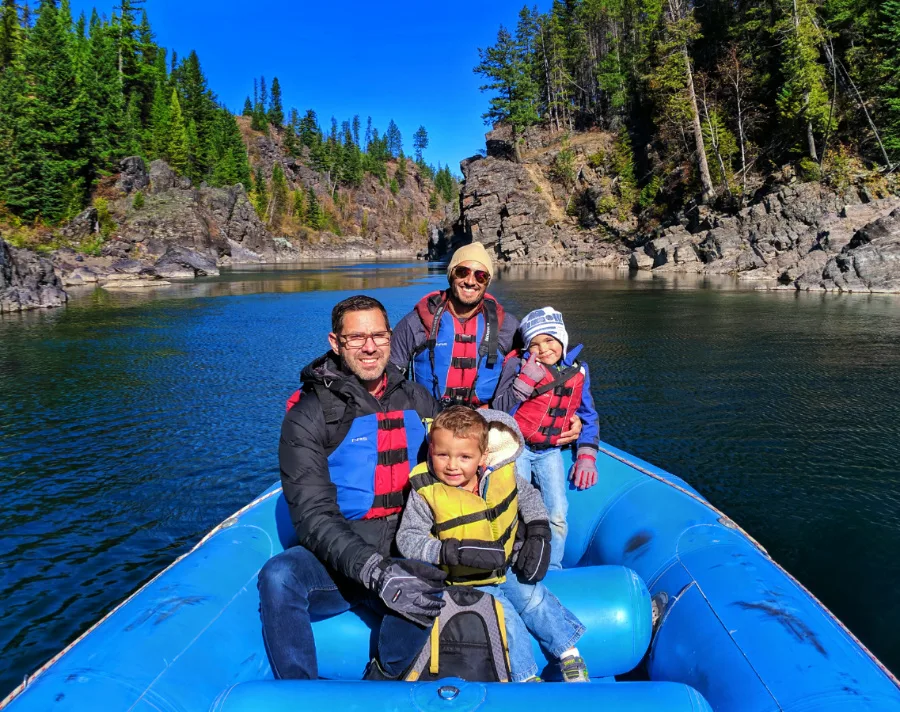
(737, 633)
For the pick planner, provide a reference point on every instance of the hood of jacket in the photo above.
(505, 441)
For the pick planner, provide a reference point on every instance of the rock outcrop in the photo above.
(803, 236)
(793, 236)
(27, 281)
(510, 208)
(208, 221)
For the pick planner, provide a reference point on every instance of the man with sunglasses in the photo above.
(454, 341)
(348, 443)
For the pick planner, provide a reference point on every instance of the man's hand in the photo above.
(584, 471)
(571, 435)
(534, 556)
(410, 588)
(478, 554)
(531, 373)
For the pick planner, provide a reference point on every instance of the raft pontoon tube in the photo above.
(737, 628)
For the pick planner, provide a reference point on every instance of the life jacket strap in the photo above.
(393, 457)
(391, 424)
(465, 363)
(465, 338)
(389, 500)
(559, 381)
(489, 514)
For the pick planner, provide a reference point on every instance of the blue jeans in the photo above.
(546, 471)
(531, 608)
(295, 585)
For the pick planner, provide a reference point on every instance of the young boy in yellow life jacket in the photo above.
(464, 512)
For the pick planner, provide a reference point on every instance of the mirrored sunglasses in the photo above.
(461, 272)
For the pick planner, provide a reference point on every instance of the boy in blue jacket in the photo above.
(542, 388)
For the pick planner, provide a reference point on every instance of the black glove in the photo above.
(534, 556)
(478, 554)
(410, 588)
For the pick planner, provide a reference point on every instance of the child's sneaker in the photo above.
(574, 669)
(533, 678)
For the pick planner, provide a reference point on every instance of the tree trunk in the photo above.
(705, 178)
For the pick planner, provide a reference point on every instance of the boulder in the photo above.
(871, 260)
(180, 263)
(133, 175)
(80, 276)
(163, 178)
(27, 281)
(120, 249)
(82, 225)
(640, 260)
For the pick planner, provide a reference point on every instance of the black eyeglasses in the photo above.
(357, 341)
(461, 272)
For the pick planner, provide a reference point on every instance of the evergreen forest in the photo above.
(704, 95)
(79, 94)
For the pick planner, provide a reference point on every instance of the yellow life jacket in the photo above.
(459, 514)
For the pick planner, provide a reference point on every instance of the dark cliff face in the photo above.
(793, 235)
(27, 281)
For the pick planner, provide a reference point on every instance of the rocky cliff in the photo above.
(27, 281)
(792, 235)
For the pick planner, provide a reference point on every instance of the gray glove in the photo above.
(530, 374)
(409, 588)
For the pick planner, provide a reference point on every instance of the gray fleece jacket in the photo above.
(415, 539)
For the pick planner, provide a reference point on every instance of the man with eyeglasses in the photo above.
(348, 443)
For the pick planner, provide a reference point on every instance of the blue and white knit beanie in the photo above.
(544, 321)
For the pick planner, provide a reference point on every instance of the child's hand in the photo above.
(534, 556)
(485, 555)
(530, 375)
(584, 472)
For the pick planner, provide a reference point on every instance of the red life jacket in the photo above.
(470, 372)
(544, 416)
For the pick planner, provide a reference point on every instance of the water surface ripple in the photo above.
(130, 424)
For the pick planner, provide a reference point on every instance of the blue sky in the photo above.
(409, 60)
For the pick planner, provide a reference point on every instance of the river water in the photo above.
(132, 423)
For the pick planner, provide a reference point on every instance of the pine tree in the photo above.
(10, 33)
(276, 111)
(299, 209)
(310, 135)
(248, 108)
(227, 153)
(889, 74)
(131, 129)
(158, 137)
(177, 141)
(44, 172)
(314, 216)
(420, 142)
(515, 97)
(394, 139)
(803, 98)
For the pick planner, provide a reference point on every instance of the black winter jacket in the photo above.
(311, 431)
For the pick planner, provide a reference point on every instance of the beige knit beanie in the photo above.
(474, 251)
